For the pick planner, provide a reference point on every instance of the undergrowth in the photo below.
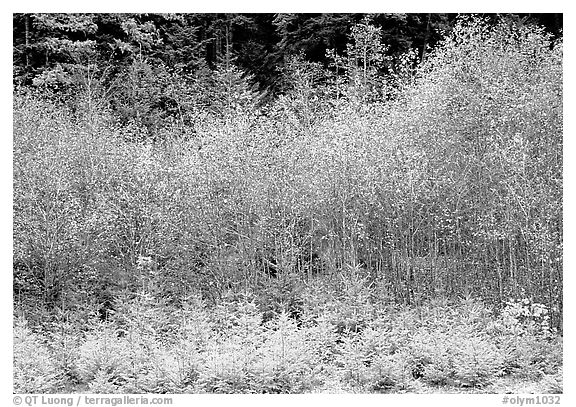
(231, 349)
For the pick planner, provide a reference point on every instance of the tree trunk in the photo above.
(426, 36)
(228, 43)
(27, 40)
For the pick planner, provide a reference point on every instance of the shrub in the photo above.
(109, 362)
(34, 368)
(530, 356)
(553, 383)
(289, 357)
(64, 341)
(391, 373)
(459, 357)
(522, 316)
(228, 363)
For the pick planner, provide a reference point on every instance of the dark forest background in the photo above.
(47, 48)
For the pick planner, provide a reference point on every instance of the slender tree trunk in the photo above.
(426, 36)
(228, 44)
(365, 65)
(27, 40)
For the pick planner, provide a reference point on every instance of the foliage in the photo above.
(523, 316)
(34, 369)
(173, 231)
(229, 349)
(46, 45)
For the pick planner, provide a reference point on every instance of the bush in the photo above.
(553, 383)
(109, 362)
(458, 357)
(286, 361)
(392, 373)
(34, 368)
(530, 356)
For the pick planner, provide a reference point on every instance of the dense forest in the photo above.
(287, 203)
